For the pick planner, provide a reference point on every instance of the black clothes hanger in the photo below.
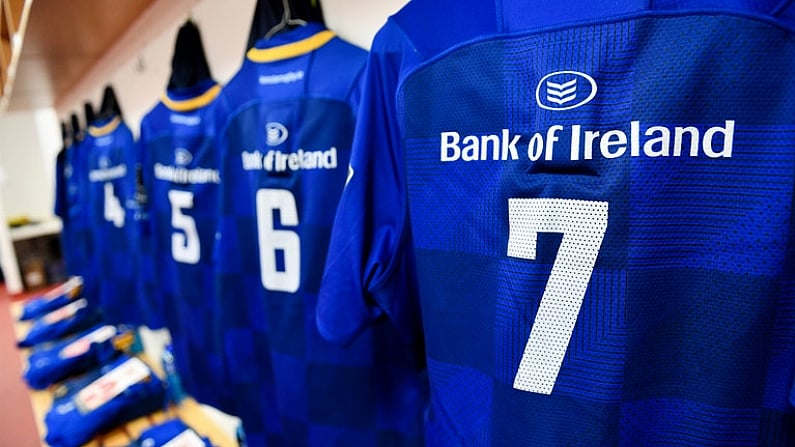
(270, 14)
(267, 14)
(74, 121)
(90, 114)
(189, 63)
(110, 106)
(77, 132)
(66, 135)
(60, 206)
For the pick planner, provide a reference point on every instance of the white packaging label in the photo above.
(81, 345)
(65, 312)
(187, 438)
(102, 390)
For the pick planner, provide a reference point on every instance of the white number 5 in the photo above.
(583, 224)
(185, 247)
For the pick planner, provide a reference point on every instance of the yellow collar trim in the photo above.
(106, 129)
(289, 50)
(186, 105)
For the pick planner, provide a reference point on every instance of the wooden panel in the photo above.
(5, 61)
(5, 47)
(13, 10)
(71, 46)
(63, 39)
(78, 27)
(12, 17)
(4, 33)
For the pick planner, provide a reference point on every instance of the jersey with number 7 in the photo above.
(595, 202)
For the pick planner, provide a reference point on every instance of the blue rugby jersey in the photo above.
(74, 317)
(53, 362)
(64, 205)
(53, 299)
(75, 231)
(118, 392)
(171, 433)
(285, 123)
(110, 209)
(180, 173)
(584, 210)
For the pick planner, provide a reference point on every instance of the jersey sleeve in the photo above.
(149, 281)
(369, 271)
(218, 116)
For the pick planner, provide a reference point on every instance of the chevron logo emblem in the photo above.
(562, 93)
(564, 90)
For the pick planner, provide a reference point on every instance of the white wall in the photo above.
(27, 155)
(358, 20)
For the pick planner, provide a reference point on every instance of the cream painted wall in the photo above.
(224, 26)
(27, 156)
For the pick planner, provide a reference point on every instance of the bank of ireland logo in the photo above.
(564, 90)
(182, 156)
(275, 134)
(104, 162)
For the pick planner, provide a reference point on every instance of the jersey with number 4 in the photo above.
(595, 200)
(110, 202)
(180, 173)
(285, 124)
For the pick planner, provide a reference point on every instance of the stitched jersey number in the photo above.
(583, 224)
(273, 241)
(112, 210)
(185, 246)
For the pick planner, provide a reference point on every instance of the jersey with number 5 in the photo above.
(180, 174)
(285, 127)
(595, 201)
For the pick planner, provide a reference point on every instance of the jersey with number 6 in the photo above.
(180, 174)
(110, 214)
(595, 202)
(285, 124)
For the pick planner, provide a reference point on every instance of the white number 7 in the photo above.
(583, 225)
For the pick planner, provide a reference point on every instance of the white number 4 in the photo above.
(583, 225)
(112, 210)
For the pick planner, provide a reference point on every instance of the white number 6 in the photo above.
(583, 224)
(272, 240)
